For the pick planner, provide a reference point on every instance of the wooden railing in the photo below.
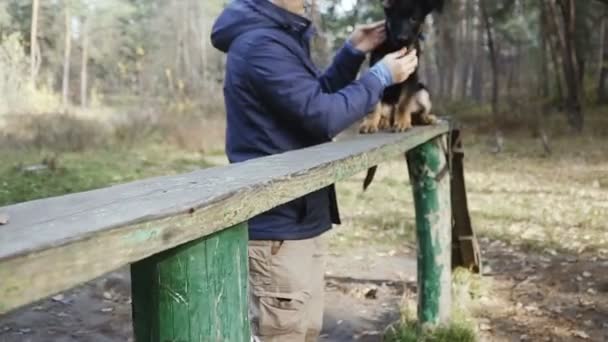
(185, 236)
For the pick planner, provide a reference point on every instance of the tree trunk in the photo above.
(438, 54)
(84, 63)
(468, 53)
(34, 48)
(445, 27)
(553, 49)
(493, 58)
(544, 62)
(478, 80)
(66, 57)
(602, 90)
(538, 125)
(565, 30)
(203, 41)
(495, 73)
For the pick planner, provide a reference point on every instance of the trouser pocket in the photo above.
(282, 313)
(280, 287)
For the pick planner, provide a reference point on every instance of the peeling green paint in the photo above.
(425, 163)
(194, 292)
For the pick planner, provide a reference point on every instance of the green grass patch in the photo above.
(467, 288)
(407, 331)
(78, 171)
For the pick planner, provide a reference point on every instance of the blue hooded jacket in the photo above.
(277, 100)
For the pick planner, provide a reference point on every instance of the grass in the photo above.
(81, 171)
(455, 332)
(554, 203)
(467, 288)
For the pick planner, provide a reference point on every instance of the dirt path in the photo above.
(362, 295)
(544, 297)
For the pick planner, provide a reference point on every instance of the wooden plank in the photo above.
(54, 244)
(194, 292)
(431, 186)
(465, 248)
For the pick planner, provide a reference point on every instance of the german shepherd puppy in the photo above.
(409, 102)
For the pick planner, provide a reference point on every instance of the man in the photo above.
(276, 101)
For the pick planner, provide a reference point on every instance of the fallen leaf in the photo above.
(60, 298)
(581, 334)
(371, 293)
(485, 327)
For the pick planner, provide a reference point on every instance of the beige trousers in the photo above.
(286, 282)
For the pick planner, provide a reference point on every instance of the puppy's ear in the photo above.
(387, 3)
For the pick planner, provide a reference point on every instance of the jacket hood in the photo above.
(245, 15)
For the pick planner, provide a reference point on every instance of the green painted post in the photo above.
(431, 186)
(194, 292)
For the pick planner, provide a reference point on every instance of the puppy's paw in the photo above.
(368, 127)
(384, 123)
(428, 119)
(402, 125)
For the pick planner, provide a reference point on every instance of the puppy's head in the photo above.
(405, 18)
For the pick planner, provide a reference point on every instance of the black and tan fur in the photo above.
(408, 103)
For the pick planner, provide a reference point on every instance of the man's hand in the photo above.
(401, 64)
(366, 38)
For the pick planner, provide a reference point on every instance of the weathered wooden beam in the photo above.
(54, 244)
(430, 179)
(194, 292)
(465, 249)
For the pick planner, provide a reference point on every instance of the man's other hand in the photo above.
(368, 37)
(401, 64)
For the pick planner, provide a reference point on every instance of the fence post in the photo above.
(430, 177)
(194, 292)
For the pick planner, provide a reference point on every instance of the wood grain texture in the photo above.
(431, 188)
(194, 292)
(465, 249)
(53, 244)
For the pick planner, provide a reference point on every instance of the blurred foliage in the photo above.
(152, 49)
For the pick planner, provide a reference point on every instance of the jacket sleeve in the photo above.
(344, 68)
(291, 89)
